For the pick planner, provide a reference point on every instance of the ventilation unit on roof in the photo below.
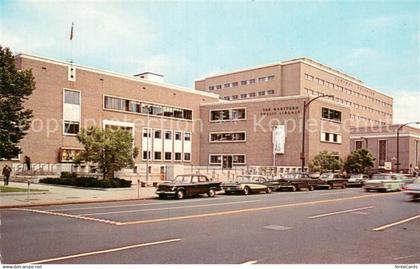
(151, 76)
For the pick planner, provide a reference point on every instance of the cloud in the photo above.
(406, 106)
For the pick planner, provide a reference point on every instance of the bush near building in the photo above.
(359, 161)
(325, 161)
(71, 179)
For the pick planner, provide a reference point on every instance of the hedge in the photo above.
(71, 179)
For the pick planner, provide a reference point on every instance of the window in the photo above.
(238, 159)
(218, 87)
(235, 84)
(145, 155)
(331, 114)
(228, 137)
(178, 156)
(177, 135)
(145, 133)
(270, 92)
(157, 110)
(227, 85)
(157, 155)
(187, 136)
(168, 135)
(382, 152)
(269, 78)
(252, 94)
(215, 159)
(252, 81)
(168, 111)
(330, 137)
(227, 114)
(168, 156)
(71, 97)
(71, 127)
(244, 82)
(158, 134)
(262, 79)
(187, 156)
(211, 88)
(261, 93)
(134, 107)
(178, 113)
(359, 145)
(226, 98)
(187, 114)
(243, 95)
(234, 97)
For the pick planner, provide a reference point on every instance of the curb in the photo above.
(75, 202)
(22, 193)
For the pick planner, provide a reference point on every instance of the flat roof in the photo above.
(305, 60)
(115, 74)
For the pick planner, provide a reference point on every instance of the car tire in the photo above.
(311, 188)
(268, 191)
(293, 189)
(246, 190)
(343, 186)
(211, 193)
(180, 194)
(329, 187)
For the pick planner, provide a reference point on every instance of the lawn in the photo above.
(14, 189)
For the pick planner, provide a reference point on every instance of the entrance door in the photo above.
(227, 162)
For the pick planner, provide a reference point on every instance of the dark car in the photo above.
(188, 185)
(331, 181)
(248, 184)
(297, 181)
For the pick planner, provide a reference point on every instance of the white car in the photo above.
(357, 180)
(385, 182)
(413, 189)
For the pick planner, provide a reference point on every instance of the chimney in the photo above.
(151, 76)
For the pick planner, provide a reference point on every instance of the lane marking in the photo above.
(250, 262)
(339, 212)
(103, 251)
(67, 215)
(277, 227)
(166, 208)
(360, 213)
(251, 209)
(404, 257)
(129, 205)
(381, 228)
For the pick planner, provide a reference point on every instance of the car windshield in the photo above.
(382, 177)
(183, 178)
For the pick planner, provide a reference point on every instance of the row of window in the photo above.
(227, 137)
(349, 103)
(120, 104)
(330, 137)
(228, 114)
(243, 83)
(376, 122)
(217, 159)
(249, 95)
(345, 90)
(331, 114)
(165, 154)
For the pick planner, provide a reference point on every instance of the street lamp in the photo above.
(398, 141)
(149, 110)
(305, 105)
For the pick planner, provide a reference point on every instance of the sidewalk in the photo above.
(70, 195)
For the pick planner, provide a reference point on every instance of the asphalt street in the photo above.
(323, 226)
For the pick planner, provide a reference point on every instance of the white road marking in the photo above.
(339, 212)
(250, 262)
(68, 216)
(404, 257)
(277, 227)
(167, 208)
(381, 228)
(102, 251)
(131, 205)
(360, 213)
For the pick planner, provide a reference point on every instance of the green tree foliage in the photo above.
(15, 87)
(111, 149)
(325, 161)
(359, 161)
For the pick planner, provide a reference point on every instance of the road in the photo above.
(324, 226)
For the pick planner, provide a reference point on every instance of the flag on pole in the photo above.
(71, 31)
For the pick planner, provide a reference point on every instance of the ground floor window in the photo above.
(157, 155)
(178, 156)
(168, 156)
(228, 160)
(187, 156)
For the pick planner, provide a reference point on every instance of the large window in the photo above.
(382, 152)
(228, 137)
(228, 114)
(237, 159)
(116, 103)
(330, 137)
(71, 127)
(71, 97)
(331, 114)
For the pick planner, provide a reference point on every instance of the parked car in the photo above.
(357, 180)
(297, 181)
(248, 184)
(331, 181)
(188, 185)
(385, 182)
(413, 189)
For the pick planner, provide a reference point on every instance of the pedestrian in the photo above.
(6, 173)
(28, 162)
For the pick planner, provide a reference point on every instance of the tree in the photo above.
(111, 149)
(359, 161)
(325, 161)
(15, 87)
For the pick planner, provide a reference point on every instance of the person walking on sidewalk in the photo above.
(27, 162)
(6, 173)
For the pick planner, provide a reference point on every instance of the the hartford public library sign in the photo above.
(283, 110)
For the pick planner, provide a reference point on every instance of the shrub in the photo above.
(92, 182)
